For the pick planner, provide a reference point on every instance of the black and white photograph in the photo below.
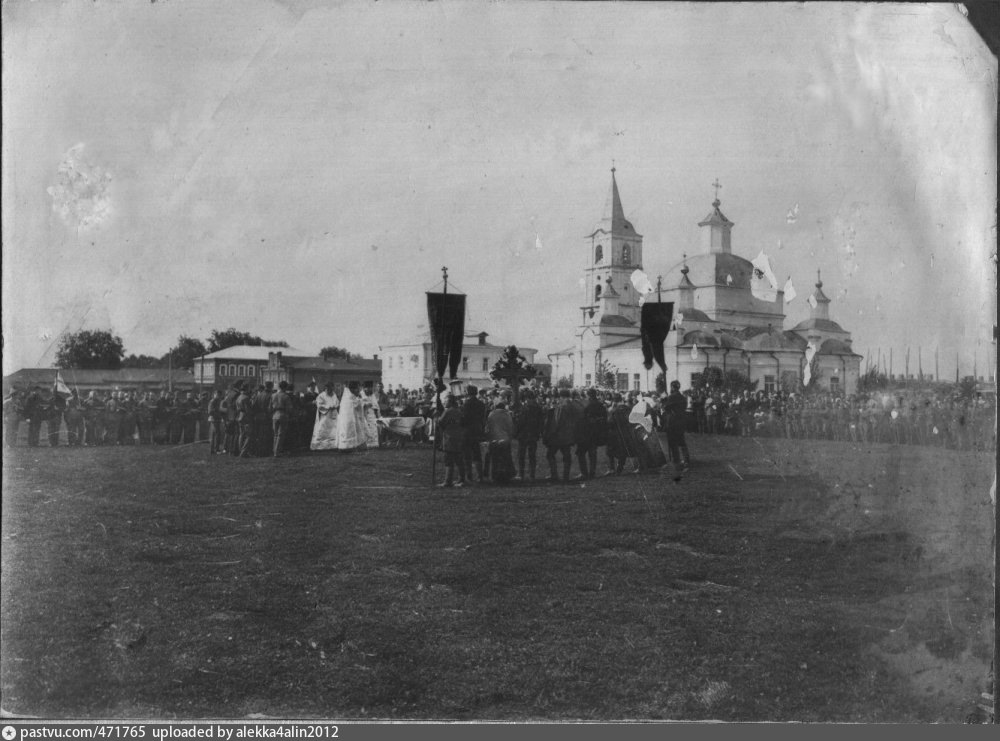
(498, 362)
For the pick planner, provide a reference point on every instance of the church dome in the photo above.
(713, 269)
(771, 341)
(835, 347)
(720, 340)
(826, 325)
(694, 315)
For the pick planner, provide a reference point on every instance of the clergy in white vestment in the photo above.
(369, 406)
(350, 419)
(325, 429)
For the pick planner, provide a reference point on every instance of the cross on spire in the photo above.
(717, 185)
(612, 167)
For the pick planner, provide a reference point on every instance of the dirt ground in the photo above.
(781, 580)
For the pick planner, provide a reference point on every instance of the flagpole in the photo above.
(437, 389)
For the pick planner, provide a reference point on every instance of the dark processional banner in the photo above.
(446, 318)
(656, 319)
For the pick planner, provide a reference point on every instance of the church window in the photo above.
(486, 364)
(586, 380)
(768, 384)
(621, 382)
(597, 292)
(390, 361)
(635, 381)
(626, 254)
(599, 253)
(400, 359)
(834, 384)
(465, 364)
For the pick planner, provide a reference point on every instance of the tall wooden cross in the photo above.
(511, 369)
(717, 185)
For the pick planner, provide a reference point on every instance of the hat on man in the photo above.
(283, 385)
(675, 385)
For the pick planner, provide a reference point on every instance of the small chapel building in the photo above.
(718, 321)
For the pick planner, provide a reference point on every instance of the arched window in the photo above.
(597, 292)
(232, 369)
(251, 370)
(243, 370)
(486, 364)
(626, 254)
(222, 370)
(598, 253)
(465, 364)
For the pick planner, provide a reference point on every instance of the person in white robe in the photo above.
(350, 419)
(325, 429)
(369, 406)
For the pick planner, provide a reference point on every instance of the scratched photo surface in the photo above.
(302, 171)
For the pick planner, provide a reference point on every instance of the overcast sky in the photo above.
(302, 170)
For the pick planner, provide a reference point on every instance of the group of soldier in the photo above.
(103, 418)
(900, 417)
(240, 421)
(477, 434)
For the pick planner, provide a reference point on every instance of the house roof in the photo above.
(318, 364)
(123, 377)
(255, 352)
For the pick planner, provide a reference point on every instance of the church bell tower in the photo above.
(614, 252)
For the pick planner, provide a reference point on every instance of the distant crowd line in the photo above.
(174, 417)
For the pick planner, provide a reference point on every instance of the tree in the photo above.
(142, 361)
(90, 349)
(710, 378)
(182, 354)
(332, 352)
(872, 380)
(607, 375)
(737, 382)
(564, 382)
(230, 337)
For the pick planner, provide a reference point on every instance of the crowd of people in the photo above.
(242, 420)
(571, 424)
(902, 416)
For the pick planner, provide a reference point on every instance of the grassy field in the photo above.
(781, 580)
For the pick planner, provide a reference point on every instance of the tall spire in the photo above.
(614, 214)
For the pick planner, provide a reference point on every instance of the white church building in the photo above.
(718, 321)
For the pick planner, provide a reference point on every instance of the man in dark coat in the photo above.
(592, 435)
(244, 421)
(13, 412)
(452, 430)
(561, 433)
(281, 410)
(230, 412)
(528, 424)
(474, 426)
(674, 408)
